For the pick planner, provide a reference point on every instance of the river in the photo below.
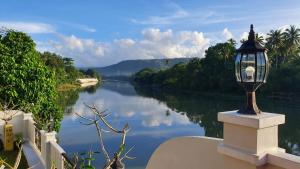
(155, 117)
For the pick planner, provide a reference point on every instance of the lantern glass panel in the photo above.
(261, 67)
(237, 67)
(267, 67)
(248, 67)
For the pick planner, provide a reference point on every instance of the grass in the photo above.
(67, 86)
(10, 158)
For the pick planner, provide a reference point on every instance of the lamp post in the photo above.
(251, 70)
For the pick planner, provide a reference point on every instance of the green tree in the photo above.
(64, 70)
(24, 79)
(232, 41)
(91, 73)
(292, 41)
(260, 39)
(275, 46)
(68, 62)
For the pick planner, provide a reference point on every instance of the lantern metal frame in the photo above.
(253, 48)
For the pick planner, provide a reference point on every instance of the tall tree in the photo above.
(292, 40)
(275, 46)
(24, 79)
(68, 61)
(231, 41)
(259, 39)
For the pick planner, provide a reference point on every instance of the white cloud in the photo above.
(227, 34)
(29, 27)
(86, 52)
(197, 16)
(244, 36)
(79, 26)
(162, 20)
(153, 44)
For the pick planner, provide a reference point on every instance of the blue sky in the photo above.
(99, 33)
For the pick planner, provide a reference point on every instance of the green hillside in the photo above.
(130, 67)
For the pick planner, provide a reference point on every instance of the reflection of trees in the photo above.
(202, 109)
(91, 89)
(66, 99)
(122, 87)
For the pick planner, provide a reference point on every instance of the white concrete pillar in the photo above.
(26, 125)
(248, 138)
(45, 146)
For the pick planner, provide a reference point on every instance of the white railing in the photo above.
(56, 155)
(44, 143)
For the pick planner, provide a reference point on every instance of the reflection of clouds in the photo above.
(128, 114)
(149, 111)
(87, 134)
(156, 118)
(149, 120)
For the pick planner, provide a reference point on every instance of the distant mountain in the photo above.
(130, 67)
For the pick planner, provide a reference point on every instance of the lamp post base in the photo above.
(251, 107)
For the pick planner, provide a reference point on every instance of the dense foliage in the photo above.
(25, 81)
(65, 71)
(215, 72)
(91, 73)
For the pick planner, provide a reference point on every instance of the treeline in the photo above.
(215, 72)
(64, 69)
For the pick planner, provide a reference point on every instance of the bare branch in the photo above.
(86, 124)
(107, 158)
(101, 115)
(84, 117)
(128, 157)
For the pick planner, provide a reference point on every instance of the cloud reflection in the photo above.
(150, 112)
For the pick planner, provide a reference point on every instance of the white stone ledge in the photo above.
(255, 159)
(284, 160)
(262, 120)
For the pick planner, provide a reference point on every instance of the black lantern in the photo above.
(251, 70)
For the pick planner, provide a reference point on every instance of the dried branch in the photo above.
(99, 132)
(128, 157)
(107, 158)
(100, 116)
(8, 108)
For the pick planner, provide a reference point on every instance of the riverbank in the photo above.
(67, 87)
(80, 83)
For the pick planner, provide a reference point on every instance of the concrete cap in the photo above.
(262, 120)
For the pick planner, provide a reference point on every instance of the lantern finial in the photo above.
(251, 36)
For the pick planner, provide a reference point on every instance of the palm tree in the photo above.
(292, 39)
(243, 40)
(232, 41)
(68, 62)
(259, 39)
(275, 44)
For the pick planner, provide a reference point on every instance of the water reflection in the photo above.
(152, 122)
(157, 116)
(202, 109)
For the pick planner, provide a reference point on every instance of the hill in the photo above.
(130, 67)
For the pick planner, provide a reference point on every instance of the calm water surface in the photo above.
(155, 117)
